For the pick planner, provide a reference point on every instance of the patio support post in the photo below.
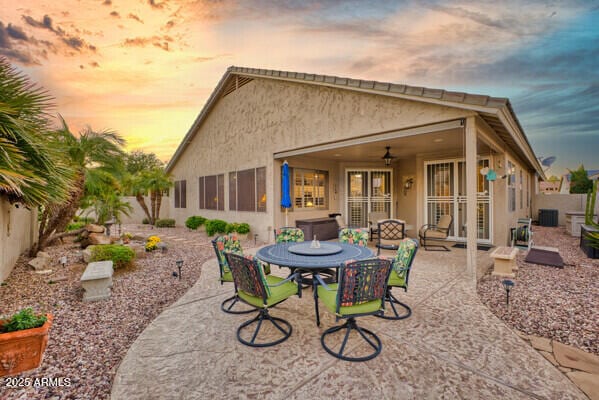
(471, 196)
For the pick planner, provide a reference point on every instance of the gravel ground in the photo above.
(89, 340)
(560, 304)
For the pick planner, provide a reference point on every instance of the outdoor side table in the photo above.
(504, 261)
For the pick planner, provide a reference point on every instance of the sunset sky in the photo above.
(146, 67)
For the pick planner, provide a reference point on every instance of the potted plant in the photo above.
(23, 340)
(243, 230)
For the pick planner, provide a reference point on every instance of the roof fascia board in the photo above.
(488, 135)
(441, 126)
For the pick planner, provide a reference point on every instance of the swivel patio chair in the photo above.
(360, 292)
(288, 234)
(222, 244)
(261, 292)
(358, 236)
(400, 272)
(390, 233)
(437, 232)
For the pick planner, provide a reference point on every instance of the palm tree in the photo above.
(91, 154)
(32, 167)
(157, 181)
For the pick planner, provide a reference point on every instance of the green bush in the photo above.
(121, 256)
(194, 222)
(165, 223)
(215, 226)
(75, 225)
(24, 319)
(145, 221)
(243, 228)
(231, 227)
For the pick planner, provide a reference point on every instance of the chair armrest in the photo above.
(322, 283)
(296, 276)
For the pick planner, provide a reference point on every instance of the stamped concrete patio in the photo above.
(451, 347)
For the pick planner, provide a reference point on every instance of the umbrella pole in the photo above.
(286, 220)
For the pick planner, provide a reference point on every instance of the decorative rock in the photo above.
(541, 343)
(44, 272)
(87, 254)
(549, 357)
(139, 249)
(43, 254)
(97, 280)
(91, 228)
(40, 263)
(588, 383)
(98, 238)
(571, 357)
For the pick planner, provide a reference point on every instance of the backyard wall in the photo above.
(137, 215)
(561, 202)
(18, 230)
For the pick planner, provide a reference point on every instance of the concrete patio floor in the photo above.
(451, 347)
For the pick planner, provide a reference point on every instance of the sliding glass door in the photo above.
(368, 190)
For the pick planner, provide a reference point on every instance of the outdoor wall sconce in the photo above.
(388, 157)
(179, 266)
(507, 285)
(408, 183)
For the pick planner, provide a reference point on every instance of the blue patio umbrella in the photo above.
(285, 190)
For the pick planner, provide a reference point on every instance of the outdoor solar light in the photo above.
(179, 265)
(255, 238)
(507, 285)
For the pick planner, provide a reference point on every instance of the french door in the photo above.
(445, 193)
(368, 190)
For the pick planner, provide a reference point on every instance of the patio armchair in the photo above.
(360, 292)
(440, 231)
(390, 233)
(373, 219)
(400, 272)
(288, 234)
(354, 236)
(262, 292)
(222, 244)
(340, 222)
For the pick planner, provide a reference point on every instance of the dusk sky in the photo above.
(146, 67)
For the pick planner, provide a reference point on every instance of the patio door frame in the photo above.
(368, 196)
(458, 199)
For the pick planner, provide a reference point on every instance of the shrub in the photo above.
(165, 223)
(152, 243)
(75, 225)
(24, 319)
(231, 227)
(145, 221)
(243, 228)
(194, 222)
(121, 256)
(215, 226)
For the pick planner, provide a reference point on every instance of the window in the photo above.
(212, 192)
(310, 189)
(180, 194)
(511, 187)
(247, 190)
(521, 189)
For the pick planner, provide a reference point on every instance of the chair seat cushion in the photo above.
(329, 299)
(227, 277)
(389, 243)
(431, 233)
(396, 280)
(277, 293)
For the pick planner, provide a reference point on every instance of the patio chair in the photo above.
(521, 235)
(373, 219)
(440, 231)
(390, 233)
(340, 222)
(360, 292)
(288, 234)
(222, 244)
(400, 272)
(354, 236)
(261, 292)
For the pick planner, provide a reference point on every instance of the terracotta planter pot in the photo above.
(23, 350)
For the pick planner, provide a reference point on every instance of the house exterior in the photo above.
(333, 132)
(18, 232)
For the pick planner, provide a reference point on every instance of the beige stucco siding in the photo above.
(247, 127)
(18, 230)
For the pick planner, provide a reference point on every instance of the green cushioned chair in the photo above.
(288, 234)
(222, 244)
(360, 292)
(400, 272)
(262, 292)
(357, 236)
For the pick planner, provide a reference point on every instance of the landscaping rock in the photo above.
(541, 343)
(87, 254)
(39, 263)
(44, 272)
(588, 383)
(98, 238)
(139, 249)
(91, 228)
(571, 357)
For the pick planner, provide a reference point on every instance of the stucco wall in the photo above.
(561, 202)
(137, 215)
(18, 230)
(263, 117)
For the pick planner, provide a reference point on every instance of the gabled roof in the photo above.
(496, 111)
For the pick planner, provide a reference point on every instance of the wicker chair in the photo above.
(262, 292)
(400, 273)
(440, 231)
(360, 292)
(222, 244)
(390, 233)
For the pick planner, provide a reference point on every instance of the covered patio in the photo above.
(451, 347)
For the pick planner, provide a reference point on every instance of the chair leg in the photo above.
(227, 306)
(434, 247)
(315, 291)
(283, 326)
(392, 301)
(370, 337)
